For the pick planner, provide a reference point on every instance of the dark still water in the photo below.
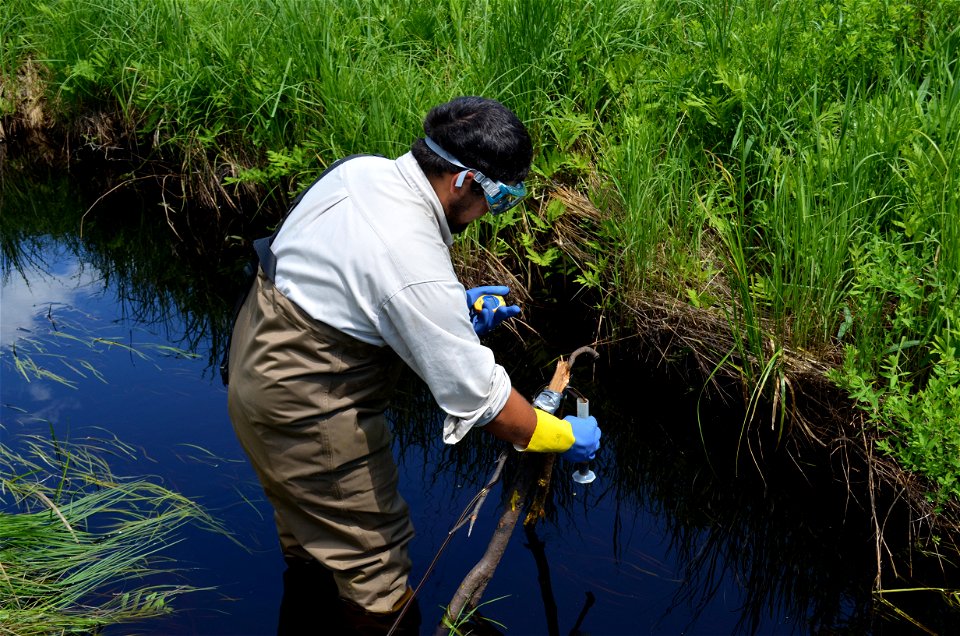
(670, 539)
(173, 412)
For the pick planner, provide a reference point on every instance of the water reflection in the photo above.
(676, 535)
(58, 284)
(158, 276)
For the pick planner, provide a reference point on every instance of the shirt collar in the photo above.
(414, 176)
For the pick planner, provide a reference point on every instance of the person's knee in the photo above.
(377, 588)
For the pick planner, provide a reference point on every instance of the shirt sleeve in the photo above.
(428, 326)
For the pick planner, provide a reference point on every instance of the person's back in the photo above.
(364, 233)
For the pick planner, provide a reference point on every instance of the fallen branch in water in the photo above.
(534, 471)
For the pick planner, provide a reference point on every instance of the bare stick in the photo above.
(475, 582)
(501, 462)
(534, 470)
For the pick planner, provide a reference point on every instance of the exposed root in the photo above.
(818, 413)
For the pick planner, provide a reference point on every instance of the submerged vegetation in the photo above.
(80, 545)
(765, 190)
(80, 548)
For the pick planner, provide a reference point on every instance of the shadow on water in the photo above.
(781, 524)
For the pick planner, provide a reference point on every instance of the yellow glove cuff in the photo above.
(552, 434)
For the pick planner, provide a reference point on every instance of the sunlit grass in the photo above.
(789, 167)
(81, 549)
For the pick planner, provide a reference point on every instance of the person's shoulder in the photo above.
(366, 161)
(372, 175)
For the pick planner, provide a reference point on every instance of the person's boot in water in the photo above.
(309, 592)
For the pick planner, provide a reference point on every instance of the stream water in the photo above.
(670, 539)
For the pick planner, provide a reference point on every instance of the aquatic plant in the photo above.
(462, 624)
(80, 546)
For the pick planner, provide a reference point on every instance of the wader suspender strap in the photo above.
(268, 263)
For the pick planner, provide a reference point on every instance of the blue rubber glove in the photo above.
(587, 439)
(487, 308)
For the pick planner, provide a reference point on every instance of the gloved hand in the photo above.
(577, 438)
(587, 438)
(487, 308)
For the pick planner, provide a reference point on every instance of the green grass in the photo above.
(790, 167)
(81, 547)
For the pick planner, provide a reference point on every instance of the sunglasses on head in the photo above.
(500, 196)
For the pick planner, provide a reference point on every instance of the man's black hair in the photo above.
(482, 134)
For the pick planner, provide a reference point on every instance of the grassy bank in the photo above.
(775, 183)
